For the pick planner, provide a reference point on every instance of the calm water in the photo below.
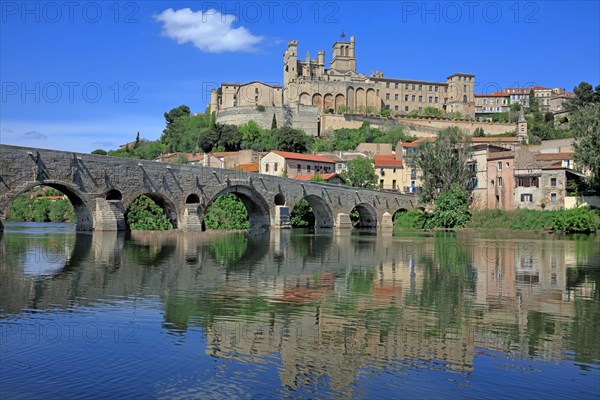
(297, 315)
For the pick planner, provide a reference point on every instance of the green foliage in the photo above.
(146, 150)
(29, 206)
(99, 152)
(584, 96)
(585, 125)
(302, 215)
(317, 177)
(442, 163)
(181, 159)
(412, 220)
(255, 138)
(577, 220)
(348, 139)
(479, 132)
(360, 173)
(274, 122)
(177, 121)
(260, 108)
(452, 208)
(385, 112)
(432, 112)
(228, 250)
(227, 212)
(144, 214)
(293, 140)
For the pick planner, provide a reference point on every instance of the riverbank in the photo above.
(579, 220)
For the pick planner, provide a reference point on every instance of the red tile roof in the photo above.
(303, 157)
(492, 139)
(251, 167)
(500, 155)
(324, 176)
(554, 156)
(494, 94)
(387, 161)
(419, 140)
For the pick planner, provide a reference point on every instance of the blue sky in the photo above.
(84, 75)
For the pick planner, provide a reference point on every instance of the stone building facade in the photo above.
(313, 89)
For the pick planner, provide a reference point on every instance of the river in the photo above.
(298, 314)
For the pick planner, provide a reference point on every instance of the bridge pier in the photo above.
(386, 223)
(342, 221)
(282, 217)
(109, 215)
(190, 221)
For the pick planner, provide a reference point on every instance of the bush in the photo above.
(144, 214)
(227, 212)
(452, 209)
(577, 220)
(412, 220)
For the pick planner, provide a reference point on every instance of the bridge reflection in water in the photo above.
(328, 306)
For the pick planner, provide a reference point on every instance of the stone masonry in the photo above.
(101, 188)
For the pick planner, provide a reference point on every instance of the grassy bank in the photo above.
(576, 220)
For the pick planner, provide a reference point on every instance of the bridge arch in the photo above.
(321, 211)
(256, 205)
(367, 216)
(163, 202)
(83, 210)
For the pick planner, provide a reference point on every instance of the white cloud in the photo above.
(35, 135)
(210, 31)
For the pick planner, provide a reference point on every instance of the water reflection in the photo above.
(324, 309)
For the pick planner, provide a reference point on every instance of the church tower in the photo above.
(522, 127)
(290, 63)
(344, 59)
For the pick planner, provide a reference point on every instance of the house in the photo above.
(332, 178)
(497, 102)
(391, 174)
(284, 163)
(341, 158)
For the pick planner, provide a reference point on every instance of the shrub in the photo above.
(577, 220)
(411, 220)
(452, 209)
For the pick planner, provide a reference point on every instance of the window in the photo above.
(553, 197)
(396, 107)
(504, 101)
(405, 108)
(526, 198)
(464, 88)
(405, 97)
(499, 181)
(381, 184)
(394, 184)
(308, 168)
(266, 167)
(275, 167)
(484, 101)
(499, 165)
(431, 99)
(553, 182)
(413, 86)
(406, 86)
(484, 109)
(395, 85)
(497, 108)
(436, 99)
(420, 98)
(413, 97)
(299, 168)
(396, 96)
(436, 88)
(387, 96)
(430, 88)
(420, 87)
(387, 85)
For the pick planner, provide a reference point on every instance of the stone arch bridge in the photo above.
(102, 187)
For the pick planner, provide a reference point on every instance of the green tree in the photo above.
(452, 208)
(293, 140)
(302, 214)
(479, 132)
(177, 120)
(227, 212)
(144, 214)
(534, 105)
(360, 173)
(274, 122)
(585, 126)
(584, 95)
(99, 152)
(432, 112)
(442, 163)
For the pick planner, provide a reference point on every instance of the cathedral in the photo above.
(311, 90)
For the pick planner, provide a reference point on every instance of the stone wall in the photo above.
(428, 127)
(301, 117)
